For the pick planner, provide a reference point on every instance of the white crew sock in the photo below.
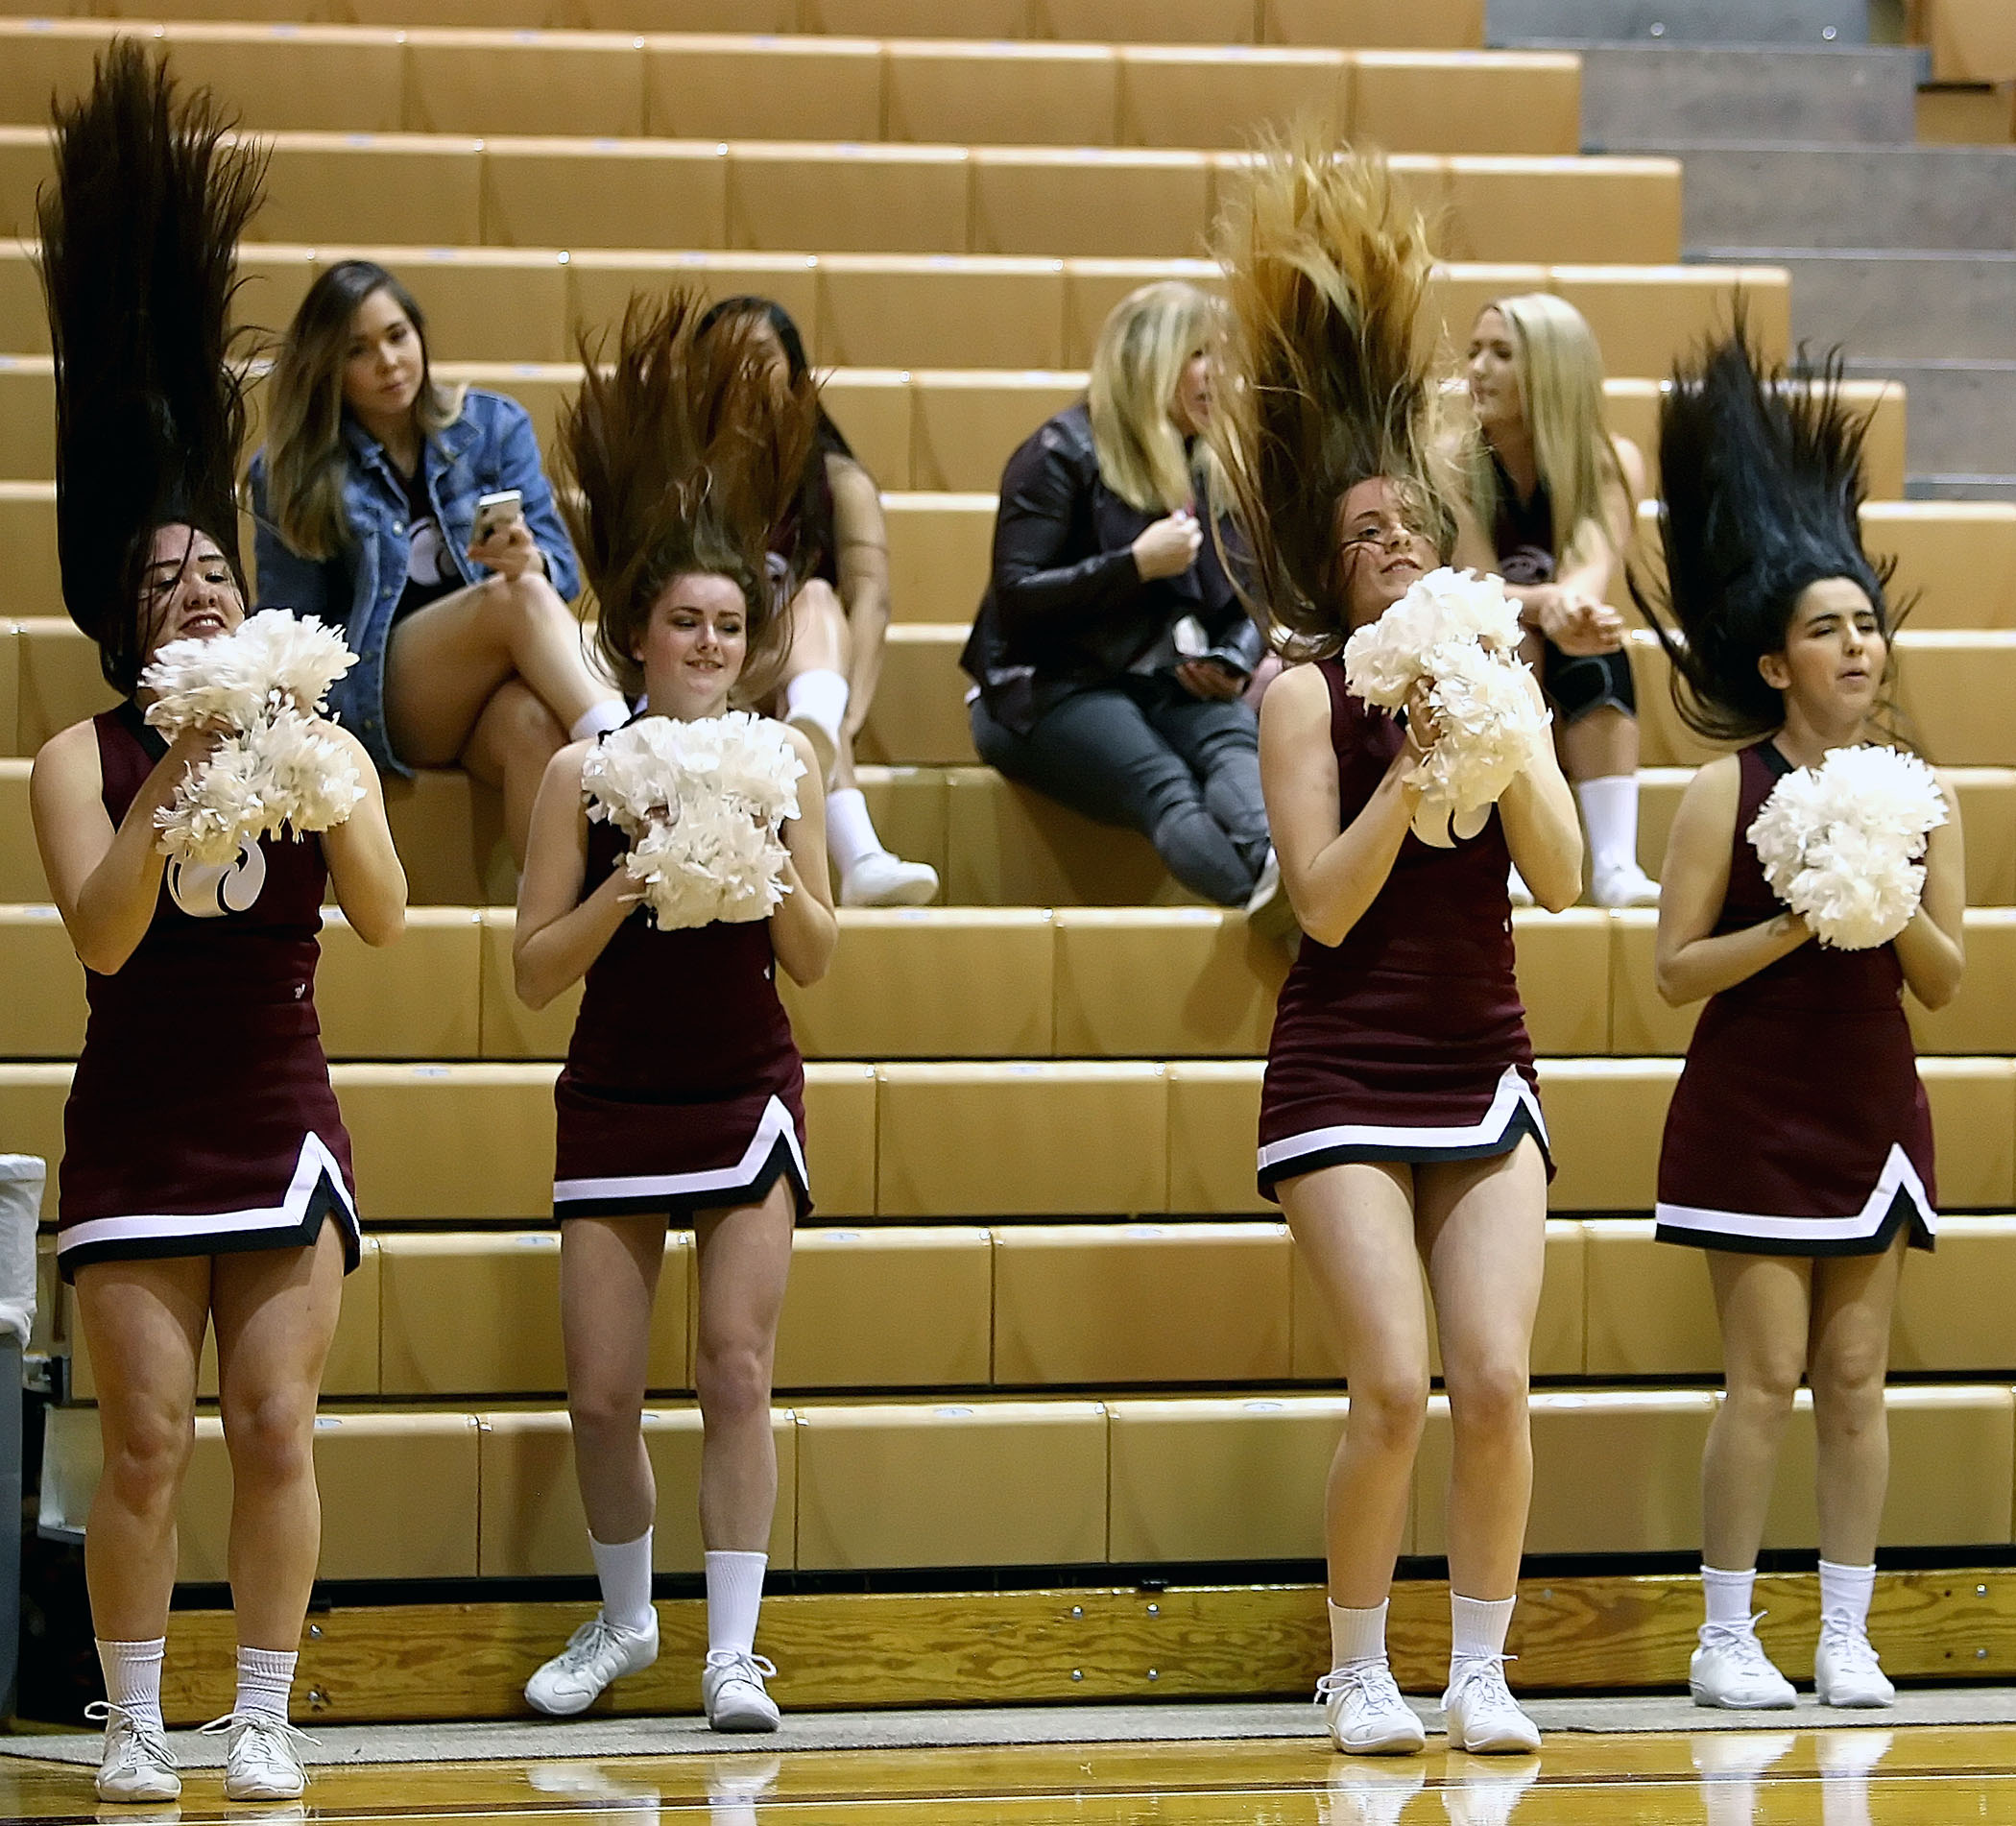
(818, 697)
(132, 1677)
(624, 1571)
(1727, 1595)
(598, 719)
(1477, 1627)
(1845, 1591)
(734, 1593)
(265, 1678)
(1610, 810)
(1357, 1635)
(849, 832)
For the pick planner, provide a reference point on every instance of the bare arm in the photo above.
(364, 866)
(1542, 830)
(1932, 947)
(862, 537)
(559, 934)
(105, 880)
(1688, 964)
(804, 929)
(1331, 874)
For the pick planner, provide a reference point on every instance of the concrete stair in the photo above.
(1662, 93)
(1790, 22)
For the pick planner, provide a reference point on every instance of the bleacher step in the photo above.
(1672, 94)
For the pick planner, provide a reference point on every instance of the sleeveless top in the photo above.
(1523, 533)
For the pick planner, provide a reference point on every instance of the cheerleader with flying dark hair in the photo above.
(1400, 1119)
(684, 1093)
(1798, 1149)
(205, 1175)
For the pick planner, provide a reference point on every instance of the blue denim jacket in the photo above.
(489, 448)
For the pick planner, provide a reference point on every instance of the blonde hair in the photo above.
(1147, 340)
(307, 460)
(1559, 371)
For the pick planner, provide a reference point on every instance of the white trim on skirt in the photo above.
(775, 1125)
(1422, 1142)
(230, 1228)
(1703, 1223)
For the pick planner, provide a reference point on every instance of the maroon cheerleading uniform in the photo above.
(684, 1089)
(1799, 1126)
(201, 1117)
(1405, 1040)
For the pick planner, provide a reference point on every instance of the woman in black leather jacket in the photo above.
(1110, 651)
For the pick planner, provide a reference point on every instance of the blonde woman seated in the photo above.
(1109, 652)
(366, 498)
(1554, 497)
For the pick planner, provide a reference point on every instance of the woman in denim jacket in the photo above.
(366, 501)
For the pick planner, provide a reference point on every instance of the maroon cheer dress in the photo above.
(1799, 1126)
(1406, 1040)
(201, 1117)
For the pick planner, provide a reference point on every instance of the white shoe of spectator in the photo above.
(882, 879)
(1628, 886)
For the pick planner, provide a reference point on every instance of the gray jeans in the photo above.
(1144, 754)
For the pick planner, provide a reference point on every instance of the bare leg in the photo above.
(1599, 745)
(1763, 1304)
(1355, 1228)
(745, 1256)
(1483, 1236)
(276, 1314)
(1853, 1298)
(609, 1270)
(515, 738)
(822, 641)
(144, 1322)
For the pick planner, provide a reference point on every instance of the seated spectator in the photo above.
(1553, 498)
(1110, 651)
(366, 495)
(839, 625)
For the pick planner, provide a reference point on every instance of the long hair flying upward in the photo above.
(139, 232)
(1328, 373)
(685, 451)
(1760, 490)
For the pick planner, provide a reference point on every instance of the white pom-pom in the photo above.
(1841, 844)
(1457, 633)
(275, 770)
(702, 803)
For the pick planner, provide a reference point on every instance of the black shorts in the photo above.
(1576, 684)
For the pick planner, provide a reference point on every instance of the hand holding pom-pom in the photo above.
(1453, 641)
(702, 803)
(1843, 844)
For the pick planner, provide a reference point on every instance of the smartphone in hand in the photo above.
(495, 512)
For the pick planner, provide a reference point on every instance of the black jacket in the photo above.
(1065, 608)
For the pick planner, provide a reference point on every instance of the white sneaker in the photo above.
(597, 1653)
(262, 1758)
(882, 879)
(1629, 886)
(1731, 1670)
(1516, 887)
(1269, 913)
(1845, 1670)
(732, 1690)
(137, 1764)
(1481, 1714)
(1366, 1716)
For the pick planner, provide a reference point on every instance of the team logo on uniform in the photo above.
(209, 890)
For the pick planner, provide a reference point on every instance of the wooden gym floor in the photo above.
(1863, 1776)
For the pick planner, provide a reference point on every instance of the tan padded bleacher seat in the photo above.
(888, 1307)
(531, 1505)
(1007, 845)
(829, 88)
(1972, 41)
(1139, 982)
(1562, 209)
(1496, 102)
(583, 84)
(557, 192)
(1140, 1303)
(1458, 24)
(1956, 558)
(962, 92)
(1135, 201)
(1974, 1127)
(1219, 95)
(1631, 410)
(950, 1484)
(965, 425)
(895, 311)
(1954, 1305)
(1648, 1305)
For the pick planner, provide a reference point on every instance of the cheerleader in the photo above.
(205, 1174)
(1798, 1149)
(683, 1096)
(1400, 1121)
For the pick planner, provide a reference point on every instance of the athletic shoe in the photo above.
(1628, 886)
(137, 1764)
(1365, 1712)
(1731, 1670)
(262, 1761)
(1268, 912)
(732, 1690)
(597, 1653)
(1481, 1714)
(1845, 1670)
(1516, 887)
(882, 879)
